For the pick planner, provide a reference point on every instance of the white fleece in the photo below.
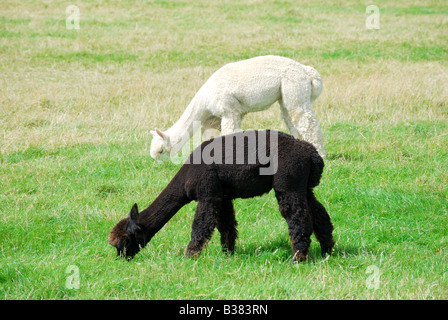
(249, 86)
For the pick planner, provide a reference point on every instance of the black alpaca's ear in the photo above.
(134, 214)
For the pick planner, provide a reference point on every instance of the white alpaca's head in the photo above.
(160, 144)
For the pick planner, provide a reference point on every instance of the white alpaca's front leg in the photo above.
(211, 128)
(230, 124)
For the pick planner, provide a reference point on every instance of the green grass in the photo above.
(76, 107)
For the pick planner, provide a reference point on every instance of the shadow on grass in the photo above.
(277, 249)
(281, 249)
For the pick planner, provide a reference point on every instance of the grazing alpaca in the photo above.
(240, 165)
(249, 86)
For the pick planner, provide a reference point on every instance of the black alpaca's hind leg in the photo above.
(294, 208)
(227, 226)
(204, 223)
(322, 225)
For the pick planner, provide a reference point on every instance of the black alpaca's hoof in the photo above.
(298, 257)
(192, 253)
(326, 250)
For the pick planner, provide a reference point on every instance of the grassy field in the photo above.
(76, 108)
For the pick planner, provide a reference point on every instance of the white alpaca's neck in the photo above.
(195, 111)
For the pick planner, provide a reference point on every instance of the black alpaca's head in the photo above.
(127, 236)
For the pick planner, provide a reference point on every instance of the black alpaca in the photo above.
(230, 167)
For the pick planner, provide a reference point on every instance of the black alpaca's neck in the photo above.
(164, 207)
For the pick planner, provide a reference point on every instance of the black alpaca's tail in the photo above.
(317, 167)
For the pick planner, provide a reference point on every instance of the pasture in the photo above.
(77, 107)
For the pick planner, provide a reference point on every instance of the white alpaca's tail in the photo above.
(316, 82)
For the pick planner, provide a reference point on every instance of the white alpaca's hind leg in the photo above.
(287, 119)
(306, 127)
(300, 119)
(309, 128)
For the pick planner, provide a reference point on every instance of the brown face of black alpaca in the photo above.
(127, 235)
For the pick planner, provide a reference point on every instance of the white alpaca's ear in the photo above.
(157, 132)
(162, 135)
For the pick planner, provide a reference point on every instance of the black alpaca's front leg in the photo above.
(294, 209)
(227, 226)
(204, 223)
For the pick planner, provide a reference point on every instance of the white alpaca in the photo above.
(249, 86)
